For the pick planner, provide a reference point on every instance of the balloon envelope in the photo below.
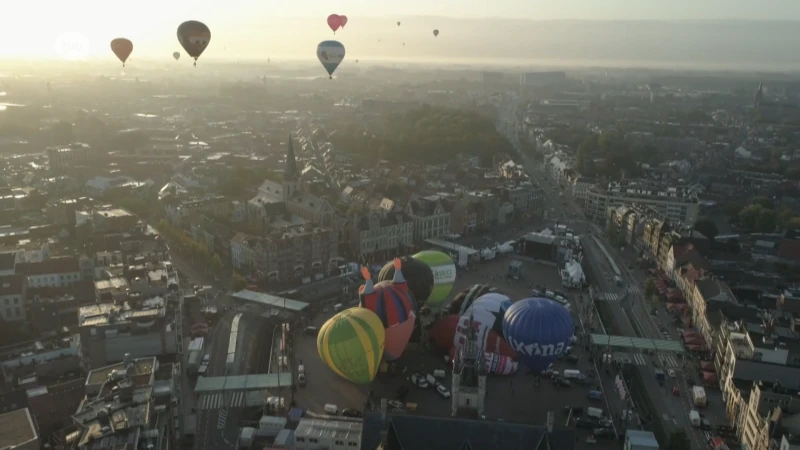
(539, 330)
(418, 275)
(488, 311)
(176, 55)
(122, 48)
(351, 344)
(335, 22)
(463, 300)
(395, 308)
(444, 275)
(343, 19)
(330, 54)
(194, 37)
(449, 332)
(435, 33)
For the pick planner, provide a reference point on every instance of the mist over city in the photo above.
(413, 225)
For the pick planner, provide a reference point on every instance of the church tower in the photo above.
(759, 95)
(290, 174)
(469, 376)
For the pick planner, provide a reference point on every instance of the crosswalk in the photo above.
(665, 361)
(222, 417)
(217, 401)
(609, 296)
(634, 289)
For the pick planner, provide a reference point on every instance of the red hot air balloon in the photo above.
(344, 20)
(335, 22)
(391, 301)
(122, 48)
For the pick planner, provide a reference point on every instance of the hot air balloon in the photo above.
(488, 311)
(351, 344)
(335, 22)
(435, 33)
(448, 334)
(344, 20)
(418, 275)
(194, 37)
(122, 48)
(398, 24)
(330, 54)
(539, 330)
(392, 302)
(444, 274)
(176, 55)
(463, 300)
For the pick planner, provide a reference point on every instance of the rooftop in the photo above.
(141, 366)
(17, 429)
(270, 300)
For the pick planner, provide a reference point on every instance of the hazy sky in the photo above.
(45, 28)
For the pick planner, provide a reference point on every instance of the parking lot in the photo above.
(531, 402)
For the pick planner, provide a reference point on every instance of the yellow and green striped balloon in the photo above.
(351, 344)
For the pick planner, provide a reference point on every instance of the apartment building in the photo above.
(672, 203)
(61, 158)
(243, 255)
(297, 253)
(53, 272)
(12, 298)
(431, 219)
(372, 234)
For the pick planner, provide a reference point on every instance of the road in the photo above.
(671, 411)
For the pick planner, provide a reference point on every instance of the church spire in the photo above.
(290, 174)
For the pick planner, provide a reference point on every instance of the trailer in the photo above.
(195, 355)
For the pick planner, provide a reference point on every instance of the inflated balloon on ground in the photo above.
(418, 275)
(539, 330)
(391, 302)
(444, 275)
(351, 344)
(463, 300)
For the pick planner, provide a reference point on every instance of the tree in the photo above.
(707, 227)
(749, 215)
(216, 265)
(767, 221)
(238, 282)
(649, 287)
(732, 208)
(793, 223)
(678, 440)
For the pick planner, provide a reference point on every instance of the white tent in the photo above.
(574, 272)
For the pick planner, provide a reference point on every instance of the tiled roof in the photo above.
(435, 433)
(11, 285)
(65, 264)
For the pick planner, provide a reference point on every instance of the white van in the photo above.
(439, 373)
(572, 374)
(338, 307)
(331, 409)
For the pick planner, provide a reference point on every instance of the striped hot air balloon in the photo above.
(394, 306)
(351, 344)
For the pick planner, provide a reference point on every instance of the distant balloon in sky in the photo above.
(176, 55)
(330, 54)
(398, 24)
(435, 33)
(356, 61)
(335, 22)
(122, 48)
(344, 20)
(194, 37)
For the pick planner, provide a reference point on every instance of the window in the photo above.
(312, 440)
(16, 300)
(352, 444)
(300, 439)
(337, 442)
(17, 312)
(6, 301)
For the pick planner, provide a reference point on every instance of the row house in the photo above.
(431, 219)
(54, 272)
(378, 236)
(216, 236)
(524, 197)
(677, 206)
(464, 216)
(12, 298)
(297, 253)
(243, 255)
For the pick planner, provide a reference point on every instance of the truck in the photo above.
(301, 375)
(660, 376)
(694, 418)
(571, 374)
(597, 413)
(699, 396)
(195, 355)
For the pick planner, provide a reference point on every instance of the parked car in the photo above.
(671, 373)
(419, 380)
(561, 382)
(348, 412)
(572, 358)
(443, 391)
(396, 404)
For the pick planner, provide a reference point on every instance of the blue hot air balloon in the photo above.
(539, 330)
(330, 54)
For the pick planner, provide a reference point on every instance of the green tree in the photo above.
(749, 215)
(793, 223)
(649, 287)
(732, 208)
(238, 282)
(767, 221)
(216, 265)
(678, 440)
(707, 227)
